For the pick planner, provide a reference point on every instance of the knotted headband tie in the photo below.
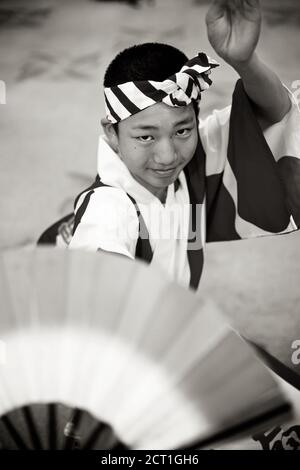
(126, 99)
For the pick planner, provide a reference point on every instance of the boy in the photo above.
(168, 183)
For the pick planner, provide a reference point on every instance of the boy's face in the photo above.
(156, 144)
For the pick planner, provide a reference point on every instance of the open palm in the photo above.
(233, 28)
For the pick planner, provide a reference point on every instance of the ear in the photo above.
(111, 134)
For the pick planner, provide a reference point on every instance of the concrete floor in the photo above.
(53, 62)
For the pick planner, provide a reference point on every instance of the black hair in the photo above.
(147, 61)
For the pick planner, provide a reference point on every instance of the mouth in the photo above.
(165, 172)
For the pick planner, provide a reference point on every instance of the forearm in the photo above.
(264, 89)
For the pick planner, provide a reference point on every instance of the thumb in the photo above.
(216, 10)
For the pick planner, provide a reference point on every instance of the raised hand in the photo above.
(233, 28)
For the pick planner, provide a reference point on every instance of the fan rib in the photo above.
(95, 434)
(110, 441)
(14, 433)
(33, 433)
(52, 424)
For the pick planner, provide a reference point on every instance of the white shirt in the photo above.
(110, 221)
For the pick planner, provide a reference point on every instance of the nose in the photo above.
(165, 153)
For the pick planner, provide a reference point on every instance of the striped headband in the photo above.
(126, 99)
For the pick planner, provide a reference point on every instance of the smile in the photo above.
(168, 172)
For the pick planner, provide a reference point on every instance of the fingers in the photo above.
(249, 9)
(221, 6)
(250, 5)
(232, 11)
(216, 10)
(253, 3)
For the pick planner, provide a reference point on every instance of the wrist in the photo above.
(245, 67)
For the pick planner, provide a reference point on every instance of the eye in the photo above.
(183, 132)
(145, 138)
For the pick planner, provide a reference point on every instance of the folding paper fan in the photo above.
(137, 361)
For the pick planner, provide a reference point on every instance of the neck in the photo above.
(160, 193)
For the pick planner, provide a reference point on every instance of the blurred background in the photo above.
(53, 54)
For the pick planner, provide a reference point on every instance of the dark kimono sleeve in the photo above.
(252, 185)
